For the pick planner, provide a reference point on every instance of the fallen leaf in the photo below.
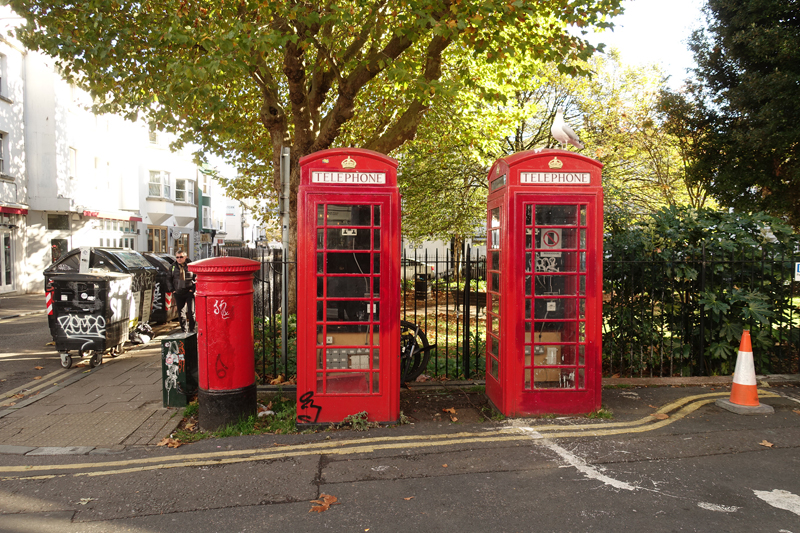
(652, 407)
(84, 501)
(409, 498)
(444, 465)
(615, 376)
(38, 367)
(190, 426)
(38, 377)
(451, 410)
(18, 396)
(169, 443)
(660, 416)
(766, 443)
(277, 381)
(10, 404)
(51, 343)
(796, 411)
(324, 503)
(453, 418)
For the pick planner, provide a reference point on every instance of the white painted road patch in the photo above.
(782, 499)
(718, 508)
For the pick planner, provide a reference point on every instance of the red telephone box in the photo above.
(348, 287)
(544, 269)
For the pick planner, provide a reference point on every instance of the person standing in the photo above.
(182, 284)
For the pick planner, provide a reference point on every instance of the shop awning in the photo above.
(113, 215)
(14, 209)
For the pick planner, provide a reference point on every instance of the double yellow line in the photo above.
(682, 408)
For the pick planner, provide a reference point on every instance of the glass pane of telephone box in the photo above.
(348, 286)
(343, 311)
(347, 263)
(346, 335)
(347, 382)
(556, 261)
(556, 215)
(555, 239)
(348, 239)
(320, 215)
(349, 215)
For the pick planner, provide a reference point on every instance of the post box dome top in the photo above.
(545, 167)
(348, 166)
(224, 264)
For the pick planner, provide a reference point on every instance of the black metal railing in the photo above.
(680, 317)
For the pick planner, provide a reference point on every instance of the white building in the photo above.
(70, 178)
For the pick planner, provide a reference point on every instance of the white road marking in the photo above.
(782, 499)
(582, 466)
(719, 508)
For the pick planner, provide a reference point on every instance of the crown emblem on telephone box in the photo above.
(349, 163)
(556, 163)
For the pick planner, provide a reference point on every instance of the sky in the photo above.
(655, 31)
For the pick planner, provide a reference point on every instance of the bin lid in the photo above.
(92, 276)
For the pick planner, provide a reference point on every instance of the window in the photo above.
(58, 222)
(205, 184)
(153, 137)
(3, 139)
(160, 184)
(207, 217)
(184, 191)
(157, 239)
(3, 77)
(73, 163)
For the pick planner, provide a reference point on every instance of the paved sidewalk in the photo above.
(14, 305)
(105, 409)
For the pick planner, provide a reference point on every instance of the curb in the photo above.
(43, 311)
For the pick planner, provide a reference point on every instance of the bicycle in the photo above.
(415, 351)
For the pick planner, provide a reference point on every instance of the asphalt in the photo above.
(118, 405)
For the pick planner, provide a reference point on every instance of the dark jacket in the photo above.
(180, 279)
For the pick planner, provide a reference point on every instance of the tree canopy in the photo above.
(746, 105)
(241, 78)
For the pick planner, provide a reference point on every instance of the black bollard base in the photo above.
(218, 409)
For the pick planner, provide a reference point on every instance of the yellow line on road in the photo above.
(687, 405)
(35, 385)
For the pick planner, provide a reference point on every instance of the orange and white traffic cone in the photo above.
(744, 391)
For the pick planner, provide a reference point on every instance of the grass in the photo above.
(602, 413)
(282, 422)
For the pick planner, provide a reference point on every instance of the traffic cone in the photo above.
(744, 391)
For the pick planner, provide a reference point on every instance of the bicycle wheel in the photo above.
(414, 351)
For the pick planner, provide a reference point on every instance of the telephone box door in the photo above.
(559, 321)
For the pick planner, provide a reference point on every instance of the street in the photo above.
(24, 346)
(699, 469)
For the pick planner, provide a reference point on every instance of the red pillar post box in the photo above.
(226, 363)
(348, 287)
(544, 270)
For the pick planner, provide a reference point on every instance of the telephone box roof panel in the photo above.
(348, 166)
(545, 167)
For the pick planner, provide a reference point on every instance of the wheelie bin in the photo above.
(89, 314)
(164, 307)
(114, 260)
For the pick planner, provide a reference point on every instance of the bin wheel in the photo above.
(96, 360)
(66, 360)
(414, 351)
(119, 349)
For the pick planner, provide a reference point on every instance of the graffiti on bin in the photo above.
(175, 361)
(157, 297)
(221, 309)
(220, 367)
(76, 326)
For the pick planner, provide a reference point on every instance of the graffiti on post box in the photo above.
(157, 297)
(221, 309)
(220, 367)
(307, 402)
(175, 362)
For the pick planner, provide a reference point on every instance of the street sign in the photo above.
(797, 271)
